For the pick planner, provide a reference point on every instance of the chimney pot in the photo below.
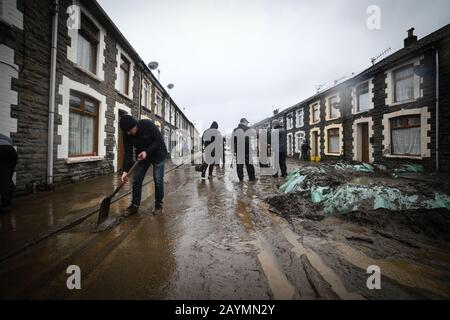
(411, 39)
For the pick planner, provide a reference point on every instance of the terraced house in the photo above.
(67, 75)
(398, 110)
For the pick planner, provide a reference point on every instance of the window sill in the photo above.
(333, 154)
(393, 104)
(84, 159)
(403, 157)
(124, 95)
(88, 73)
(314, 123)
(361, 112)
(332, 119)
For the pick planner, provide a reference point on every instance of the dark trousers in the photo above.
(205, 167)
(158, 177)
(8, 161)
(250, 170)
(282, 163)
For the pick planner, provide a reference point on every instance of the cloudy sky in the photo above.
(232, 58)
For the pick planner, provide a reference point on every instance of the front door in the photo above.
(364, 129)
(315, 144)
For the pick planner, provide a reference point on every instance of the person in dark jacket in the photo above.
(282, 149)
(241, 129)
(150, 148)
(306, 148)
(206, 143)
(8, 161)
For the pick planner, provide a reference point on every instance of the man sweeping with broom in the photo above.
(148, 141)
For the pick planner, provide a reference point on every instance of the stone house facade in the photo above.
(396, 111)
(98, 76)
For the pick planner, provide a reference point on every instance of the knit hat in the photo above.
(127, 122)
(214, 125)
(276, 123)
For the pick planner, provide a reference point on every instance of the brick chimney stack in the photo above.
(411, 39)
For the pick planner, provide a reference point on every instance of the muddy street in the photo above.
(219, 239)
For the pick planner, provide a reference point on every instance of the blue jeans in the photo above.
(158, 177)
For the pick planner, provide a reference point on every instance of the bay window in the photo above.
(405, 135)
(83, 126)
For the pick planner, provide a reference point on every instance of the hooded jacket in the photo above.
(282, 139)
(149, 139)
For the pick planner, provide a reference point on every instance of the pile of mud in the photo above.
(384, 203)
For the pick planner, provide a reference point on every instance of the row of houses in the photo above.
(397, 110)
(67, 74)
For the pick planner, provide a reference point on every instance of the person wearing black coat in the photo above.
(206, 143)
(241, 129)
(8, 161)
(282, 149)
(147, 140)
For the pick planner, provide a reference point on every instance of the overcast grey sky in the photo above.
(232, 58)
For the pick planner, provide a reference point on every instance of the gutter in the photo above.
(52, 91)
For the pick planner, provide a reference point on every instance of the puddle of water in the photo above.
(327, 273)
(404, 272)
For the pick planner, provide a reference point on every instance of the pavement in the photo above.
(216, 239)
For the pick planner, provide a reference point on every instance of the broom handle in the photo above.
(121, 183)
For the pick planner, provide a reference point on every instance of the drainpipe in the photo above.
(52, 91)
(437, 109)
(140, 93)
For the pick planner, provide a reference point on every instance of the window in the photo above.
(145, 95)
(172, 115)
(167, 111)
(362, 97)
(405, 135)
(299, 139)
(299, 118)
(333, 140)
(404, 83)
(332, 103)
(315, 113)
(289, 121)
(159, 107)
(88, 36)
(124, 77)
(83, 122)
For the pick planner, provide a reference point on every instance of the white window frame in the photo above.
(290, 121)
(355, 98)
(299, 135)
(72, 49)
(121, 52)
(341, 139)
(311, 118)
(328, 107)
(167, 110)
(390, 85)
(10, 14)
(425, 132)
(299, 118)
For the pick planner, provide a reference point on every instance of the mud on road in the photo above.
(221, 239)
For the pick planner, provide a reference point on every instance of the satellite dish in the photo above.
(153, 65)
(170, 86)
(420, 70)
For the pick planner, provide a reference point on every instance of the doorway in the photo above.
(363, 142)
(315, 144)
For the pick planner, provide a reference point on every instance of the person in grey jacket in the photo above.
(282, 150)
(8, 161)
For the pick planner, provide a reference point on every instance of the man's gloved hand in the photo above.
(124, 177)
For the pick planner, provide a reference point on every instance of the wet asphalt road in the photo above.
(216, 239)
